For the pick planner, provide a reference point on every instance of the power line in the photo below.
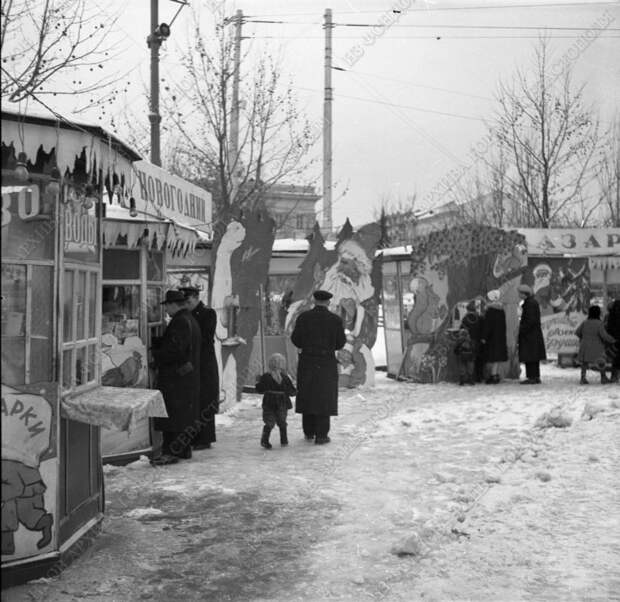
(448, 26)
(447, 8)
(401, 81)
(437, 37)
(392, 104)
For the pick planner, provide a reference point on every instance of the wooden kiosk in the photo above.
(54, 177)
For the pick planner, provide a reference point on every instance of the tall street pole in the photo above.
(327, 125)
(154, 42)
(233, 143)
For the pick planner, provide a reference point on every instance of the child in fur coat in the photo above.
(277, 387)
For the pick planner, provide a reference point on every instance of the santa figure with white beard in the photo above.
(349, 281)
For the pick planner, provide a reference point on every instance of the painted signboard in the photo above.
(29, 470)
(159, 193)
(572, 241)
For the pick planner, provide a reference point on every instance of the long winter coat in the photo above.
(592, 338)
(531, 342)
(612, 326)
(209, 379)
(180, 344)
(494, 334)
(319, 333)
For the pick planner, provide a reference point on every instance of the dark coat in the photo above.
(209, 377)
(612, 325)
(276, 395)
(531, 342)
(319, 333)
(494, 334)
(180, 344)
(472, 323)
(592, 339)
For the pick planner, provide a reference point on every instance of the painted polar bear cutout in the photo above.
(222, 291)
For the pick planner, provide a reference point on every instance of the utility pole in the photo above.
(327, 124)
(154, 42)
(233, 143)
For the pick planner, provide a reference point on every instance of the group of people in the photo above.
(187, 371)
(318, 333)
(187, 375)
(482, 340)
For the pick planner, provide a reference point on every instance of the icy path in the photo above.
(493, 509)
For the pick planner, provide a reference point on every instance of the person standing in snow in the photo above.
(277, 387)
(472, 322)
(612, 325)
(318, 333)
(494, 336)
(209, 378)
(592, 338)
(530, 340)
(177, 359)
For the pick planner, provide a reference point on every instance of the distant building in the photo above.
(293, 208)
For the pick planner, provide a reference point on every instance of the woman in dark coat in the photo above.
(612, 325)
(494, 336)
(318, 333)
(592, 340)
(472, 323)
(177, 358)
(209, 377)
(531, 341)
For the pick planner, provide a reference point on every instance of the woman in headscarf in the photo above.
(494, 336)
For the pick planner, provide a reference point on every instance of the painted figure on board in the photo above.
(26, 432)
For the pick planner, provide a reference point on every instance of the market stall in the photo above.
(427, 285)
(150, 244)
(569, 270)
(54, 176)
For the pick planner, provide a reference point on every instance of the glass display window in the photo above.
(80, 344)
(27, 328)
(121, 264)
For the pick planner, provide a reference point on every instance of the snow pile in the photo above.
(557, 418)
(141, 512)
(590, 410)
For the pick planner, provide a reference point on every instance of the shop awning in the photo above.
(162, 233)
(609, 262)
(116, 408)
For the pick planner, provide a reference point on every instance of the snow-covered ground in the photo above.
(427, 492)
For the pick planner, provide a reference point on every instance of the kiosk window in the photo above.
(80, 365)
(26, 323)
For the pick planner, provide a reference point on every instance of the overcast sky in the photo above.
(443, 88)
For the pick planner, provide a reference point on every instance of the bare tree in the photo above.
(274, 140)
(41, 39)
(550, 139)
(608, 175)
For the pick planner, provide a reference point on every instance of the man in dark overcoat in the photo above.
(531, 341)
(209, 378)
(177, 359)
(318, 333)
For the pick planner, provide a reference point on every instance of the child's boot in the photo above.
(604, 379)
(584, 380)
(283, 437)
(264, 440)
(614, 375)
